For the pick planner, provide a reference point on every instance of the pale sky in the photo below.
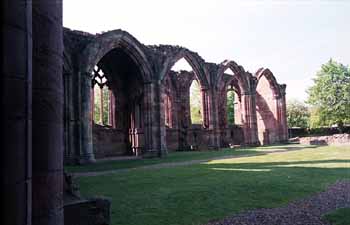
(291, 38)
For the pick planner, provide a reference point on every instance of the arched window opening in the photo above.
(229, 71)
(188, 83)
(233, 105)
(196, 103)
(102, 105)
(182, 65)
(230, 105)
(237, 110)
(167, 108)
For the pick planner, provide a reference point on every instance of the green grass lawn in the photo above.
(195, 194)
(339, 217)
(179, 157)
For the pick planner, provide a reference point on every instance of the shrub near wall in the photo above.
(321, 131)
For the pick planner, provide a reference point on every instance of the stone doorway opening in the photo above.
(118, 105)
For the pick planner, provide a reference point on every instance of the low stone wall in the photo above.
(82, 211)
(336, 139)
(172, 139)
(231, 136)
(108, 142)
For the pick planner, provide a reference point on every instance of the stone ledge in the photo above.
(336, 139)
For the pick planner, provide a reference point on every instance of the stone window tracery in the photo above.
(102, 99)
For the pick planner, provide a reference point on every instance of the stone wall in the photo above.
(270, 109)
(84, 211)
(152, 98)
(232, 136)
(336, 139)
(108, 141)
(172, 139)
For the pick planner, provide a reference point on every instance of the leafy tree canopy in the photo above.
(330, 95)
(297, 114)
(230, 107)
(195, 103)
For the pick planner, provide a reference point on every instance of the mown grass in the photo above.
(178, 157)
(339, 217)
(195, 194)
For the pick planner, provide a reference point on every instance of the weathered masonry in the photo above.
(144, 105)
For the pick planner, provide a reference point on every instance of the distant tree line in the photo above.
(328, 102)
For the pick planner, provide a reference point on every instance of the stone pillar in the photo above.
(147, 119)
(47, 158)
(253, 117)
(16, 120)
(68, 153)
(162, 128)
(245, 118)
(86, 151)
(175, 105)
(278, 129)
(154, 134)
(101, 106)
(284, 113)
(205, 114)
(250, 128)
(213, 122)
(92, 104)
(111, 108)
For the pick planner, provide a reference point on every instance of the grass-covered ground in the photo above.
(180, 157)
(339, 217)
(197, 193)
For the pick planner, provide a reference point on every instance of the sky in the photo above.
(291, 38)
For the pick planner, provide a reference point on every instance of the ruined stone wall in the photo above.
(335, 139)
(232, 135)
(270, 108)
(166, 121)
(108, 141)
(266, 113)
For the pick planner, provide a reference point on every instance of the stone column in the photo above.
(101, 106)
(278, 129)
(253, 119)
(213, 122)
(147, 120)
(205, 114)
(111, 108)
(47, 158)
(284, 113)
(162, 129)
(154, 135)
(245, 118)
(86, 151)
(68, 153)
(249, 119)
(92, 104)
(16, 120)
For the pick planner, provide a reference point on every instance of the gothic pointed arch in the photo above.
(239, 75)
(269, 107)
(174, 54)
(116, 39)
(270, 78)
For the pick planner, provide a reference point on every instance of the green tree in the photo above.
(230, 107)
(330, 95)
(195, 103)
(297, 114)
(105, 105)
(97, 97)
(97, 105)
